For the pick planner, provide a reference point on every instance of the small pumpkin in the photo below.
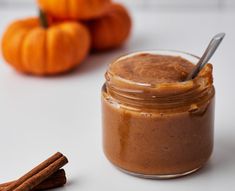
(74, 9)
(33, 49)
(111, 30)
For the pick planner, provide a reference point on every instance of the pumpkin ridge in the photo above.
(20, 64)
(33, 44)
(110, 24)
(21, 60)
(4, 43)
(55, 64)
(45, 53)
(11, 31)
(73, 42)
(75, 31)
(65, 7)
(116, 33)
(69, 12)
(49, 49)
(28, 26)
(123, 34)
(121, 14)
(71, 45)
(86, 41)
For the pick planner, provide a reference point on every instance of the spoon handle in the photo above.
(212, 47)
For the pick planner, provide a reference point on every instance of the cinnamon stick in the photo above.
(37, 175)
(56, 180)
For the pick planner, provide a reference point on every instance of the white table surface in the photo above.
(40, 116)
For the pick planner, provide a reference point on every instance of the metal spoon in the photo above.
(212, 47)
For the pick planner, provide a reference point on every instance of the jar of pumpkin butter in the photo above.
(156, 124)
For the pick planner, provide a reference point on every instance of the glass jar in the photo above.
(162, 130)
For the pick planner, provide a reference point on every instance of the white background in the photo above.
(40, 116)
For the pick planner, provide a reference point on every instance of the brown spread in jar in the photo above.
(154, 123)
(152, 69)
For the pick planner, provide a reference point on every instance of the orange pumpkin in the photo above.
(111, 30)
(34, 49)
(75, 9)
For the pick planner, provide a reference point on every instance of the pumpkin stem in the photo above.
(43, 19)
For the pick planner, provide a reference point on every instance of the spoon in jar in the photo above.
(212, 47)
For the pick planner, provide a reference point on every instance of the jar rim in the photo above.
(165, 52)
(163, 95)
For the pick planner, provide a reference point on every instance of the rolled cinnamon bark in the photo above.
(58, 179)
(39, 174)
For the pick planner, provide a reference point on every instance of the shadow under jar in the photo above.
(155, 124)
